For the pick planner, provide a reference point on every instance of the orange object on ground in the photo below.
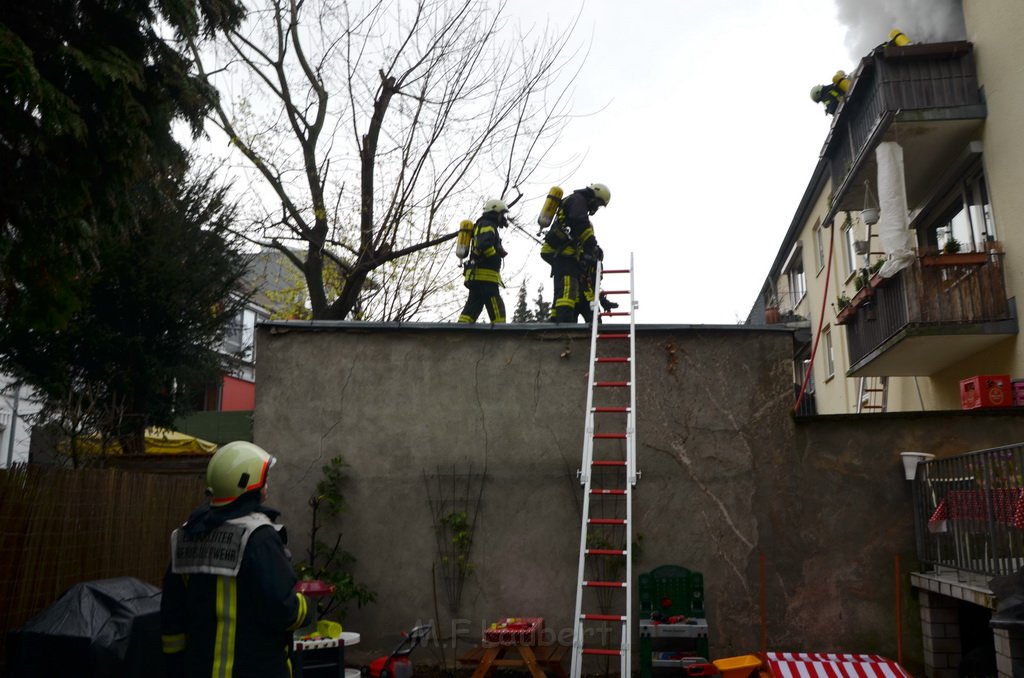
(737, 667)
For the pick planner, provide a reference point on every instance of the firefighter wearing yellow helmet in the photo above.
(229, 604)
(482, 271)
(831, 95)
(570, 247)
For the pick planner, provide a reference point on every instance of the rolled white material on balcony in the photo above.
(896, 240)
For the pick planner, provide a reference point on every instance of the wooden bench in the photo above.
(534, 658)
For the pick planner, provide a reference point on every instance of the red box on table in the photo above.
(515, 631)
(986, 390)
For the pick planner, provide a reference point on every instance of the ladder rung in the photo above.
(603, 617)
(872, 407)
(614, 291)
(610, 436)
(608, 463)
(606, 521)
(615, 270)
(605, 552)
(608, 313)
(605, 584)
(614, 335)
(601, 651)
(611, 384)
(612, 360)
(874, 390)
(616, 492)
(610, 409)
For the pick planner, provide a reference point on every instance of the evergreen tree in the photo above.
(522, 314)
(543, 312)
(150, 324)
(110, 259)
(90, 90)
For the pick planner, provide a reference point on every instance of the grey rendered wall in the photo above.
(728, 476)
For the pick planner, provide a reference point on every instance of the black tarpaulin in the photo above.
(108, 627)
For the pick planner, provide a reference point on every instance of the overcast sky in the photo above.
(706, 137)
(706, 134)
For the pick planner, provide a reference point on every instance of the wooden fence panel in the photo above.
(59, 527)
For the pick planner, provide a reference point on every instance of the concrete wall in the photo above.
(728, 475)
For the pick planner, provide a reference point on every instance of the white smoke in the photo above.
(868, 22)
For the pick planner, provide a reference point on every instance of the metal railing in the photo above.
(951, 294)
(969, 511)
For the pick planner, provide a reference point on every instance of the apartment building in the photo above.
(903, 262)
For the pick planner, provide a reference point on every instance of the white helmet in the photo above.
(816, 93)
(602, 193)
(495, 205)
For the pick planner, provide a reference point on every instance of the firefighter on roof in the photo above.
(482, 272)
(831, 95)
(571, 247)
(229, 603)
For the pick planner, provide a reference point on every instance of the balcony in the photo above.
(929, 316)
(969, 512)
(924, 97)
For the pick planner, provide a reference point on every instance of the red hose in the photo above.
(821, 321)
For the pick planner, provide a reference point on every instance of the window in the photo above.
(797, 281)
(849, 248)
(830, 363)
(819, 245)
(964, 213)
(233, 334)
(803, 367)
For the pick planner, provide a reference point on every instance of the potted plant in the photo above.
(951, 255)
(771, 311)
(844, 309)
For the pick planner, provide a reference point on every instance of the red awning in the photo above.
(813, 665)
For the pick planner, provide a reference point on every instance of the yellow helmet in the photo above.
(234, 469)
(495, 205)
(602, 193)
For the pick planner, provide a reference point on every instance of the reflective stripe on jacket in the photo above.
(485, 256)
(232, 625)
(573, 220)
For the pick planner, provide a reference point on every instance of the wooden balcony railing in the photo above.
(929, 293)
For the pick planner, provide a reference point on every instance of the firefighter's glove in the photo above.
(598, 253)
(606, 303)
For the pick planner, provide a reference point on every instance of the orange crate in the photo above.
(986, 390)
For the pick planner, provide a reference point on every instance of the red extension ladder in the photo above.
(602, 620)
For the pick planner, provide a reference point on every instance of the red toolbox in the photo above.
(515, 631)
(986, 390)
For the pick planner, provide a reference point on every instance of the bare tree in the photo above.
(374, 124)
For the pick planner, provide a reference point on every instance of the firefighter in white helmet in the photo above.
(229, 602)
(570, 246)
(482, 271)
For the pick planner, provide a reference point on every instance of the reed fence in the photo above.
(59, 527)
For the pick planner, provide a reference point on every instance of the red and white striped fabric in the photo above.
(815, 665)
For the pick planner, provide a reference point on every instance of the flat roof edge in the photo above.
(579, 328)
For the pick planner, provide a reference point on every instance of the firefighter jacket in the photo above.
(484, 264)
(571, 236)
(831, 96)
(229, 604)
